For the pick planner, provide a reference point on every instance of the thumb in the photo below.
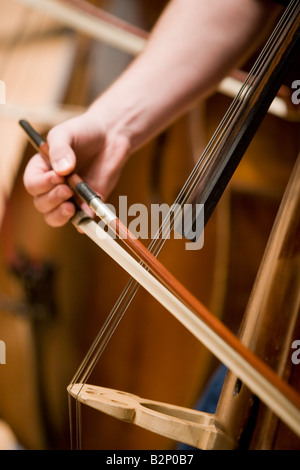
(62, 156)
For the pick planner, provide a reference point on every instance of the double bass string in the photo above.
(197, 175)
(154, 247)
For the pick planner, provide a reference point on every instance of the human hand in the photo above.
(83, 142)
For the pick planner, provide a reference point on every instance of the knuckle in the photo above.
(38, 204)
(53, 132)
(60, 216)
(29, 185)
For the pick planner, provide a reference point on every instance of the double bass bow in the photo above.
(206, 184)
(183, 306)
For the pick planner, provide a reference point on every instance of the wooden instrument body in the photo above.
(150, 354)
(81, 274)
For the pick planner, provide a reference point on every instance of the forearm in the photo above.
(193, 46)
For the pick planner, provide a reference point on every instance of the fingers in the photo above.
(38, 178)
(99, 160)
(49, 201)
(47, 186)
(61, 155)
(60, 215)
(49, 191)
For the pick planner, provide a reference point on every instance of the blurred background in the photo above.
(57, 288)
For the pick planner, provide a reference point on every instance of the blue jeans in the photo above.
(210, 396)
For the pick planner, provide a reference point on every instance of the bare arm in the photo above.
(193, 46)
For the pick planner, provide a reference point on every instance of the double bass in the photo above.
(46, 291)
(208, 189)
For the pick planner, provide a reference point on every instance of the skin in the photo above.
(189, 51)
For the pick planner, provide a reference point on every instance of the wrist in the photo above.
(116, 118)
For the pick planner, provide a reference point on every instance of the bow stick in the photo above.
(261, 379)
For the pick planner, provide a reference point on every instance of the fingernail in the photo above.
(61, 165)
